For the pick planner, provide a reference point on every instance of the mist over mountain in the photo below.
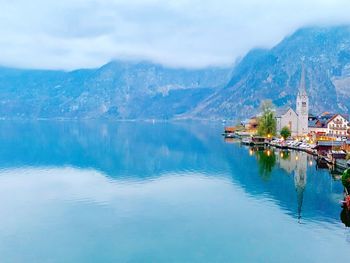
(275, 74)
(117, 90)
(142, 90)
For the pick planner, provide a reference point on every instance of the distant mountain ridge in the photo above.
(117, 90)
(142, 90)
(274, 74)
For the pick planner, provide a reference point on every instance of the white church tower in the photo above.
(302, 107)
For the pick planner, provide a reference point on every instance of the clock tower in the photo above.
(302, 107)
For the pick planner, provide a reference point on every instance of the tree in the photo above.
(285, 132)
(267, 121)
(346, 179)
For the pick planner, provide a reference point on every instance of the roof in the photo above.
(335, 115)
(312, 124)
(325, 113)
(326, 116)
(282, 111)
(316, 123)
(230, 129)
(330, 143)
(311, 115)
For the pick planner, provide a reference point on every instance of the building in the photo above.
(297, 121)
(251, 124)
(332, 125)
(317, 127)
(287, 118)
(338, 126)
(323, 147)
(302, 107)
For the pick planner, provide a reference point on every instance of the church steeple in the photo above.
(302, 108)
(302, 85)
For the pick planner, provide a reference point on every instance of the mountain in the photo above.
(142, 90)
(275, 74)
(117, 90)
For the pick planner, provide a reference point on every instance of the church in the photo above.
(296, 121)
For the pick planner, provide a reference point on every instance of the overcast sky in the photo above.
(69, 34)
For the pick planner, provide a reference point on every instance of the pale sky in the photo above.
(70, 34)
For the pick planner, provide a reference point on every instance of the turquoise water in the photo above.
(143, 192)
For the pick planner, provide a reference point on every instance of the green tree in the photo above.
(346, 179)
(285, 132)
(267, 121)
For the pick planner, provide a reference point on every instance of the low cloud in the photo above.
(73, 34)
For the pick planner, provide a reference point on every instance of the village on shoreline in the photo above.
(325, 136)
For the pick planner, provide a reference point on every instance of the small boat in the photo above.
(321, 162)
(230, 135)
(247, 140)
(258, 140)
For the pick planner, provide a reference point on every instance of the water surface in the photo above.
(163, 192)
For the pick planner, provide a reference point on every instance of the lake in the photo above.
(102, 191)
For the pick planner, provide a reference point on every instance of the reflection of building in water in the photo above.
(300, 179)
(288, 161)
(296, 162)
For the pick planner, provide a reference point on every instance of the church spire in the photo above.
(302, 85)
(302, 108)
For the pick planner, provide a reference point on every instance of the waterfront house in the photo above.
(328, 124)
(323, 147)
(317, 127)
(338, 126)
(251, 125)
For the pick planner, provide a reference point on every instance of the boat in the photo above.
(247, 141)
(230, 135)
(321, 163)
(258, 140)
(229, 132)
(335, 156)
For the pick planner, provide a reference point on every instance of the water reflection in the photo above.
(143, 190)
(292, 162)
(296, 163)
(266, 160)
(117, 149)
(300, 182)
(146, 151)
(292, 178)
(345, 216)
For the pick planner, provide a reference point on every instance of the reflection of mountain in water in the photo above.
(143, 150)
(115, 148)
